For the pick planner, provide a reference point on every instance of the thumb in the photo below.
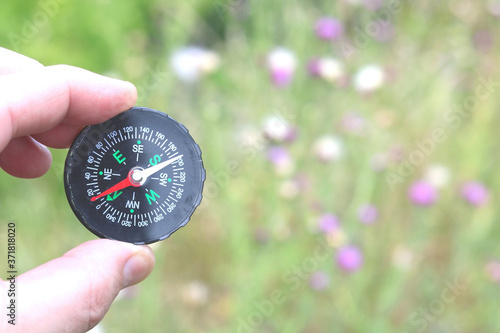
(73, 293)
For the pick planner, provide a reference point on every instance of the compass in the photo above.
(137, 177)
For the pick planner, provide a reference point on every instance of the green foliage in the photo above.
(248, 241)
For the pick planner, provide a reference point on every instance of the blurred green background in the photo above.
(253, 256)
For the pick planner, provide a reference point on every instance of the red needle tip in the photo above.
(121, 185)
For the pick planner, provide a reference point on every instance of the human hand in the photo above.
(47, 106)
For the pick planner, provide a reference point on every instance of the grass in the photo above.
(252, 248)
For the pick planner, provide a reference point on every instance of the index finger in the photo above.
(37, 101)
(13, 62)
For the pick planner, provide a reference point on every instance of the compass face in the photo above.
(137, 177)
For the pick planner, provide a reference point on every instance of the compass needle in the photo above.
(154, 169)
(120, 186)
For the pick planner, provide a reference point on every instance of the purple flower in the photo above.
(493, 270)
(349, 258)
(475, 193)
(386, 31)
(313, 67)
(483, 40)
(494, 8)
(326, 68)
(281, 63)
(281, 77)
(261, 235)
(303, 181)
(319, 280)
(353, 122)
(422, 193)
(367, 214)
(373, 4)
(278, 155)
(328, 28)
(281, 160)
(328, 223)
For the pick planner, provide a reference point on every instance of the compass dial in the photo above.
(137, 177)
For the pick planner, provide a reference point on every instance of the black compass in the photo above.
(137, 177)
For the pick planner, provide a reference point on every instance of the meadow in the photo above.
(350, 147)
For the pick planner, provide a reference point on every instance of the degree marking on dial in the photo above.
(108, 144)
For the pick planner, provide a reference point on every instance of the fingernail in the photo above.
(138, 266)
